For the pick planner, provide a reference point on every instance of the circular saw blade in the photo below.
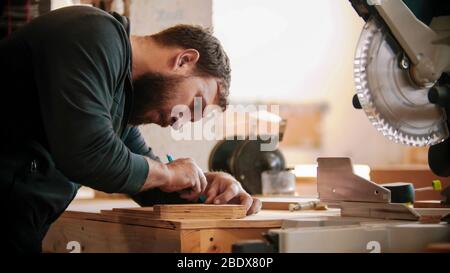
(394, 104)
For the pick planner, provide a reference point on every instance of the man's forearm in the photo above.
(158, 175)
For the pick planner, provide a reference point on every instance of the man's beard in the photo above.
(152, 91)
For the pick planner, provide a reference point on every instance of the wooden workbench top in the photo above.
(93, 231)
(102, 211)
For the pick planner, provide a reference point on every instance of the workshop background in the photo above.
(289, 54)
(282, 52)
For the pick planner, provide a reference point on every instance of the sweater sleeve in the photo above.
(135, 142)
(77, 73)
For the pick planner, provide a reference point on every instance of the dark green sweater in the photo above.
(65, 83)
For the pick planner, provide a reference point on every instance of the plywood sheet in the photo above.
(394, 211)
(264, 219)
(276, 205)
(430, 204)
(108, 211)
(188, 211)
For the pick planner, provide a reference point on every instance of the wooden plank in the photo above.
(188, 211)
(190, 241)
(282, 202)
(98, 236)
(438, 248)
(144, 220)
(276, 205)
(378, 210)
(81, 215)
(430, 204)
(286, 205)
(119, 217)
(433, 211)
(419, 175)
(264, 219)
(217, 240)
(96, 205)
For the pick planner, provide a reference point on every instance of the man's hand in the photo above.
(181, 175)
(223, 188)
(184, 176)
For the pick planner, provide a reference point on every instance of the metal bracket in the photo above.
(389, 211)
(336, 183)
(419, 41)
(357, 197)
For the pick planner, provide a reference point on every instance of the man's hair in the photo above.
(213, 60)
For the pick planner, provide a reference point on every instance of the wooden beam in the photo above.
(190, 211)
(97, 236)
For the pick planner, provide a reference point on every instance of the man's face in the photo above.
(155, 95)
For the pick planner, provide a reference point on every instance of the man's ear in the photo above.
(186, 60)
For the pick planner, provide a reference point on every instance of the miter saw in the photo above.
(402, 73)
(402, 68)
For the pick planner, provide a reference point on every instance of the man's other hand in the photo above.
(223, 188)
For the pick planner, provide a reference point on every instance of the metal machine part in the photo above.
(338, 186)
(425, 48)
(446, 196)
(245, 161)
(394, 104)
(402, 68)
(334, 234)
(318, 236)
(337, 183)
(368, 222)
(401, 192)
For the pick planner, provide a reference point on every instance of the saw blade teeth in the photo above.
(385, 121)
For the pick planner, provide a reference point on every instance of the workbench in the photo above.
(83, 224)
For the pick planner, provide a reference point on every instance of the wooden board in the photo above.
(430, 204)
(104, 237)
(113, 231)
(432, 211)
(282, 203)
(267, 205)
(276, 205)
(264, 219)
(419, 175)
(189, 211)
(108, 211)
(217, 240)
(394, 211)
(97, 236)
(438, 248)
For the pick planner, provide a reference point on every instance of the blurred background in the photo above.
(298, 54)
(294, 53)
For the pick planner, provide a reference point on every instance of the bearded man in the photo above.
(75, 85)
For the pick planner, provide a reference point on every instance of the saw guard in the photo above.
(394, 104)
